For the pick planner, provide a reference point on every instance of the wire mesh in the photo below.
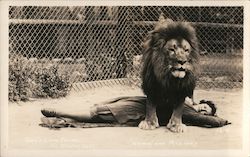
(98, 43)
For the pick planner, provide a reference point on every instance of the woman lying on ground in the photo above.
(129, 111)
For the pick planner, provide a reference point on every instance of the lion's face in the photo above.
(178, 52)
(171, 54)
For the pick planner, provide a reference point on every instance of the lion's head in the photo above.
(171, 49)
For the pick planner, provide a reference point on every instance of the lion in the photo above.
(169, 68)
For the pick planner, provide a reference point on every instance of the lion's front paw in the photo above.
(148, 125)
(176, 127)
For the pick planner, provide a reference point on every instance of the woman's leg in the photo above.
(77, 117)
(97, 114)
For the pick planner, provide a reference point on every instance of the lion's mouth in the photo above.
(181, 69)
(179, 72)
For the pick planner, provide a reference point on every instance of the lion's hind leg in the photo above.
(175, 123)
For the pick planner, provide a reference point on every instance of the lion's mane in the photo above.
(160, 86)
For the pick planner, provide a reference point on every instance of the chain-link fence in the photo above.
(101, 45)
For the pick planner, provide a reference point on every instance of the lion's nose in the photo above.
(181, 62)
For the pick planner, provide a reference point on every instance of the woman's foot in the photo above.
(49, 113)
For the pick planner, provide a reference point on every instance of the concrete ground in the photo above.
(25, 132)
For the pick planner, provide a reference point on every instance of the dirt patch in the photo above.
(25, 132)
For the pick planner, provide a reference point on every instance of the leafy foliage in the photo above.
(35, 80)
(18, 79)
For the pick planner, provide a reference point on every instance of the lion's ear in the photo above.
(162, 22)
(161, 18)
